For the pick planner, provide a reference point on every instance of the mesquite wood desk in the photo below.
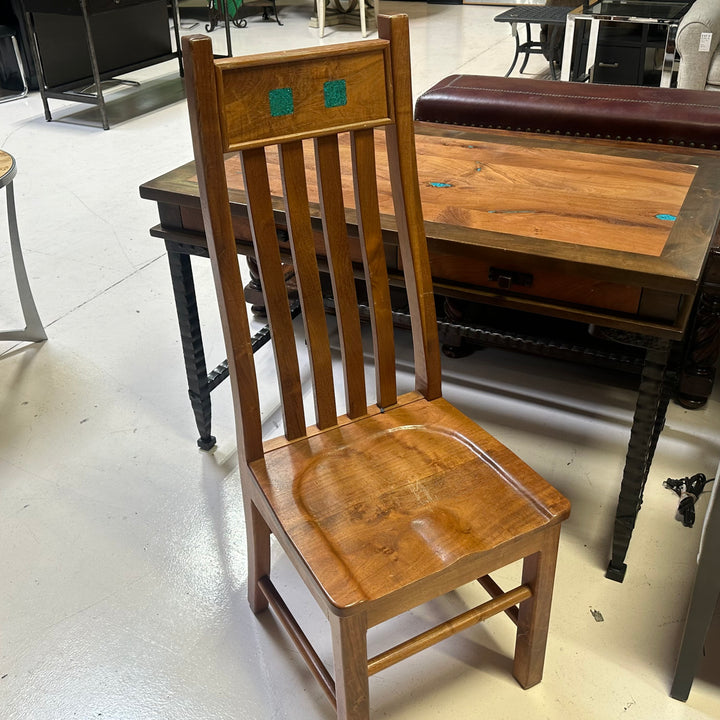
(604, 234)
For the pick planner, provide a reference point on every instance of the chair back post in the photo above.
(200, 81)
(402, 159)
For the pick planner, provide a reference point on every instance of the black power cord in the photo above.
(688, 489)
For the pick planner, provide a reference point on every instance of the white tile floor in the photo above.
(122, 563)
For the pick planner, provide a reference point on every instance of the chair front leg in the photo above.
(349, 635)
(534, 614)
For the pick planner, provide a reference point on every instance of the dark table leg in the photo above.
(526, 47)
(648, 421)
(42, 84)
(701, 354)
(200, 382)
(515, 32)
(94, 65)
(192, 344)
(176, 27)
(215, 14)
(226, 17)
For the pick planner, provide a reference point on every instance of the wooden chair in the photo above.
(385, 507)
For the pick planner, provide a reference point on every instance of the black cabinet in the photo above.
(631, 51)
(124, 39)
(77, 44)
(627, 54)
(618, 65)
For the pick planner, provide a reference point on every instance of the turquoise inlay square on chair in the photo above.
(335, 93)
(281, 102)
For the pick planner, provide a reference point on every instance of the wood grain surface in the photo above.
(595, 200)
(385, 501)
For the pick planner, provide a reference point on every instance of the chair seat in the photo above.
(361, 483)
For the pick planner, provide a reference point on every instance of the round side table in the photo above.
(34, 331)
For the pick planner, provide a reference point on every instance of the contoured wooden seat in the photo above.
(389, 505)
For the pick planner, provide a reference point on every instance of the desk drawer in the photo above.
(618, 66)
(545, 284)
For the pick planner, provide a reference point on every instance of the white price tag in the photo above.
(705, 40)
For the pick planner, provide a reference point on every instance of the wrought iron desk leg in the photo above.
(702, 350)
(648, 421)
(192, 344)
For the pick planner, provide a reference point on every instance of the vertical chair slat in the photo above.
(332, 206)
(292, 165)
(272, 277)
(366, 201)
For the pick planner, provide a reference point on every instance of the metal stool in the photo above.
(34, 331)
(7, 34)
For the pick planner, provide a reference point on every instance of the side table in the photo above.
(660, 19)
(34, 331)
(533, 15)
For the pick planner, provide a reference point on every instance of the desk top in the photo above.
(612, 212)
(589, 199)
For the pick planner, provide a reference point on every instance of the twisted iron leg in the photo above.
(192, 344)
(648, 421)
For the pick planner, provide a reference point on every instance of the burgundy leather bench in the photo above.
(689, 118)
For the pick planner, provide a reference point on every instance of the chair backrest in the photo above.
(307, 102)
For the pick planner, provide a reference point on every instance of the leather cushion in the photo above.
(645, 114)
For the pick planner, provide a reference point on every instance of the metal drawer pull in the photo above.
(507, 278)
